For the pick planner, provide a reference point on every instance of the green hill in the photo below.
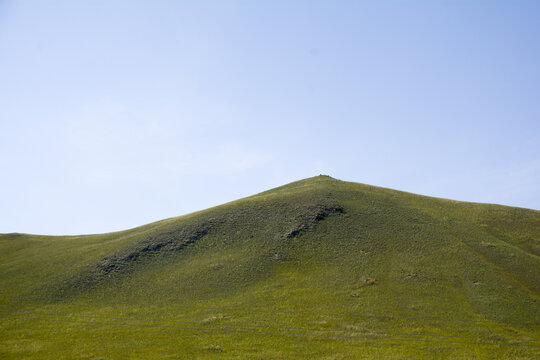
(316, 269)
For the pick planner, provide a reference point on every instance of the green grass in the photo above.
(317, 269)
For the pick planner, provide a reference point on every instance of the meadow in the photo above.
(316, 269)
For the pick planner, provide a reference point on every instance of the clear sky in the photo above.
(114, 114)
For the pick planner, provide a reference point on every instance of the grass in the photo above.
(316, 269)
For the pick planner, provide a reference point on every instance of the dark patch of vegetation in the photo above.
(154, 245)
(309, 215)
(172, 240)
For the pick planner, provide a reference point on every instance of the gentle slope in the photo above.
(318, 269)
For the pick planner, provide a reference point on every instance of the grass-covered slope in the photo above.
(317, 269)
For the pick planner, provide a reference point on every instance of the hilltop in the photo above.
(316, 269)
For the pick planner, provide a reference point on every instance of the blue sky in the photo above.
(114, 114)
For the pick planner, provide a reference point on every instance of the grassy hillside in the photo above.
(317, 269)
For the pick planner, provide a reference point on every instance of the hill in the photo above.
(316, 269)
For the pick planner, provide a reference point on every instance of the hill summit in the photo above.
(319, 269)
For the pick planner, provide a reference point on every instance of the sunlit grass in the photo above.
(394, 275)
